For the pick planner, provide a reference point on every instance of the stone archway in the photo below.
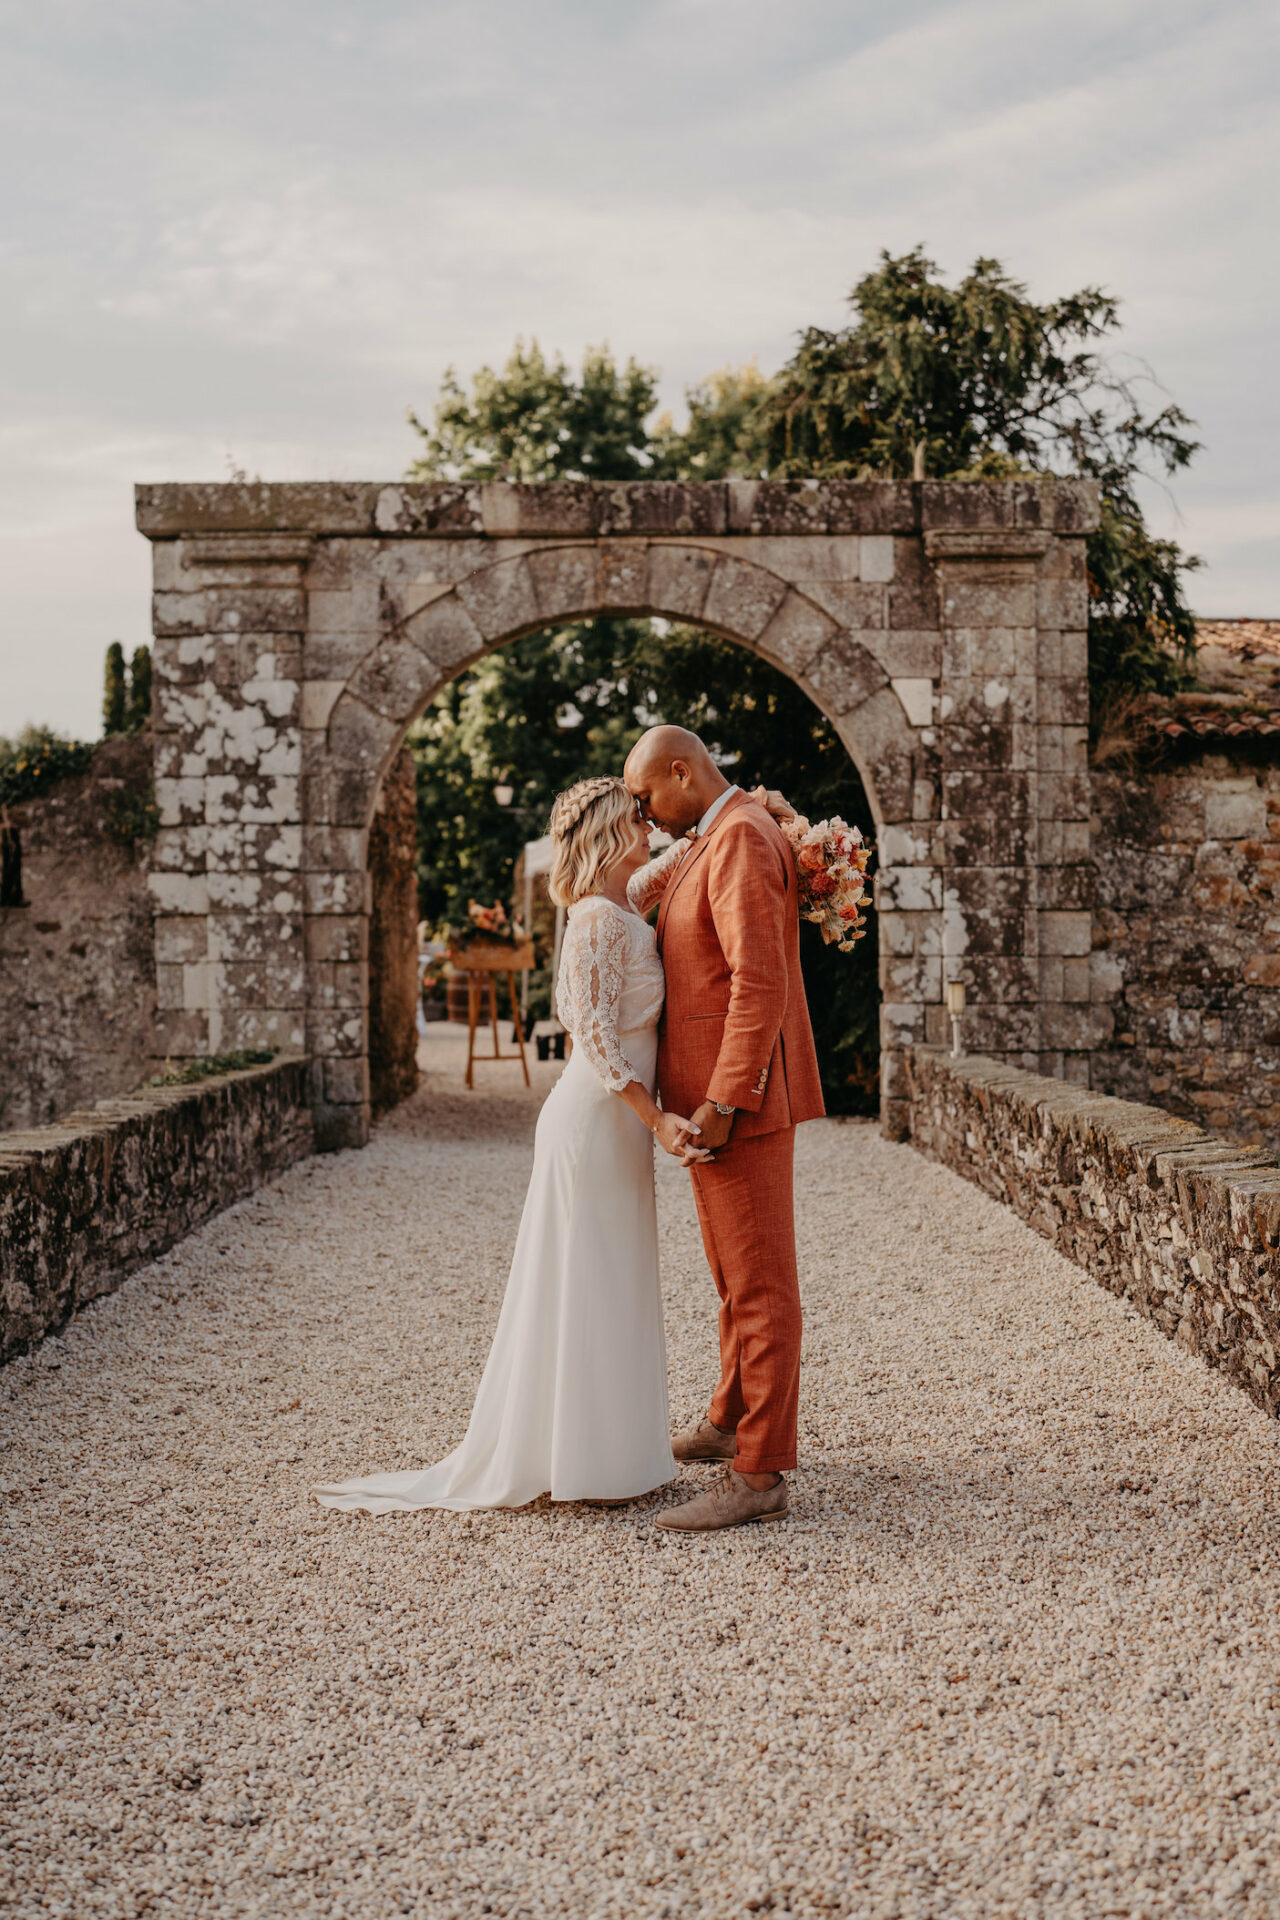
(300, 629)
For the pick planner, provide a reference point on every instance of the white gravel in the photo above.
(1017, 1653)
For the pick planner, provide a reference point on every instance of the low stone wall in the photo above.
(1185, 975)
(85, 1202)
(77, 964)
(1185, 1226)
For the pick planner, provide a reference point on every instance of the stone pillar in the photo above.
(1012, 736)
(229, 618)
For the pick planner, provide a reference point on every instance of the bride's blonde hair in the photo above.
(588, 833)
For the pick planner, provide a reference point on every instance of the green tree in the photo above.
(981, 380)
(725, 431)
(139, 708)
(534, 421)
(114, 690)
(556, 706)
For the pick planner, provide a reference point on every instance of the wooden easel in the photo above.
(478, 962)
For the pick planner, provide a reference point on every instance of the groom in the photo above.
(735, 1051)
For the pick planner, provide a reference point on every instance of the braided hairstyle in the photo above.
(589, 823)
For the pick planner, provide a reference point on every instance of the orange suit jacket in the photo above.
(736, 1024)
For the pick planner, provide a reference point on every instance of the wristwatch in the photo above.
(722, 1109)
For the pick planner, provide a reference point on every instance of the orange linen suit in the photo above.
(736, 1029)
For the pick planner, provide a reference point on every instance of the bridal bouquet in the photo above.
(831, 859)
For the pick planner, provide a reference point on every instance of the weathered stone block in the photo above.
(844, 674)
(918, 699)
(565, 580)
(1065, 932)
(179, 893)
(439, 507)
(913, 597)
(1062, 603)
(1236, 812)
(1063, 796)
(353, 608)
(240, 937)
(276, 980)
(796, 633)
(984, 909)
(346, 1082)
(856, 604)
(337, 937)
(446, 632)
(985, 597)
(989, 840)
(998, 979)
(915, 977)
(327, 849)
(1066, 888)
(181, 1034)
(500, 600)
(226, 609)
(741, 599)
(906, 654)
(359, 737)
(337, 984)
(621, 577)
(336, 1032)
(664, 506)
(339, 1128)
(877, 558)
(396, 679)
(336, 892)
(870, 506)
(908, 889)
(678, 579)
(988, 504)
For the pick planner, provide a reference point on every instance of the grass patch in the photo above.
(192, 1071)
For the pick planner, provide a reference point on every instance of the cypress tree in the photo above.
(113, 690)
(139, 689)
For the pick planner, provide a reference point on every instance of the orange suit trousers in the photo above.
(746, 1208)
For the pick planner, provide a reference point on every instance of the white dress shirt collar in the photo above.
(713, 812)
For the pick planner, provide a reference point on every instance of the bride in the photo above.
(573, 1399)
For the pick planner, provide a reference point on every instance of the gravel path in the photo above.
(1017, 1653)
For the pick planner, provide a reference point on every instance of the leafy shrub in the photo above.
(36, 760)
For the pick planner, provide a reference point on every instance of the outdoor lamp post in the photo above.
(504, 794)
(955, 1007)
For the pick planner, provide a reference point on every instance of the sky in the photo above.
(252, 236)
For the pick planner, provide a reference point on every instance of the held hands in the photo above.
(677, 1137)
(713, 1128)
(772, 802)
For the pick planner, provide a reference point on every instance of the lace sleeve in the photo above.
(647, 887)
(592, 973)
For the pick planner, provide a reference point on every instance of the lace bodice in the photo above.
(610, 984)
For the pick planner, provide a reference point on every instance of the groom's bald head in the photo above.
(674, 778)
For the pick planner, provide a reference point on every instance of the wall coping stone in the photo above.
(105, 1190)
(587, 509)
(1184, 1225)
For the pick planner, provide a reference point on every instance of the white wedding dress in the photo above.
(573, 1399)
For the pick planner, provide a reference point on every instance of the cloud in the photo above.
(265, 231)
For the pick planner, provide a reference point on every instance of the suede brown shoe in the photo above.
(730, 1503)
(703, 1442)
